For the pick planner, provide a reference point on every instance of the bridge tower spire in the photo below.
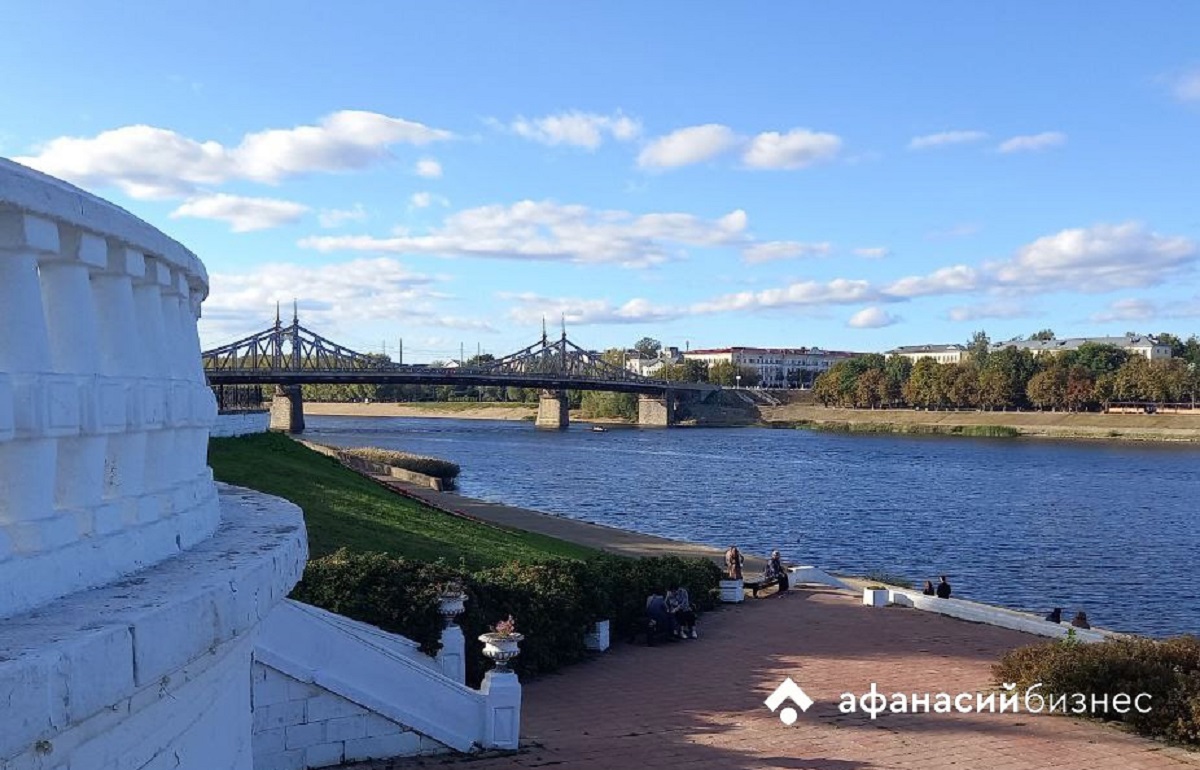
(545, 339)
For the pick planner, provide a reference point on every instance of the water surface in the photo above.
(1107, 527)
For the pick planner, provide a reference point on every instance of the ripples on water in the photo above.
(1105, 527)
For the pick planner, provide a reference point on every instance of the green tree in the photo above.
(1178, 346)
(870, 389)
(962, 389)
(688, 370)
(897, 370)
(1043, 335)
(978, 348)
(726, 373)
(648, 347)
(1098, 359)
(995, 389)
(1080, 389)
(1048, 389)
(922, 387)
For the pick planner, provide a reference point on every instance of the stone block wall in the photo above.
(300, 725)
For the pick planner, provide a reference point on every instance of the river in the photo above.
(1109, 528)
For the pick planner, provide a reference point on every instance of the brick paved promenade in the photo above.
(698, 704)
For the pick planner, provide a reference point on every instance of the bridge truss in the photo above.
(294, 354)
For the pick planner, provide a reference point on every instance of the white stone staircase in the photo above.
(329, 690)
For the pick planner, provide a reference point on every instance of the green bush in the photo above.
(554, 602)
(397, 595)
(430, 466)
(1168, 670)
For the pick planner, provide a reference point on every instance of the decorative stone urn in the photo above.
(501, 648)
(450, 606)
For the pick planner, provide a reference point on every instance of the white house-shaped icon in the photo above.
(789, 690)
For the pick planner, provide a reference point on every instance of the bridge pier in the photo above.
(287, 409)
(657, 411)
(553, 410)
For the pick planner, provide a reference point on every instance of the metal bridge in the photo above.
(293, 355)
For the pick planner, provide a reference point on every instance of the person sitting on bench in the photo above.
(775, 571)
(679, 604)
(659, 616)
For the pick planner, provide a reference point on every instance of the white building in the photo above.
(776, 367)
(1134, 344)
(649, 366)
(943, 354)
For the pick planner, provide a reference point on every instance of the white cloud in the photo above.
(694, 144)
(1128, 310)
(1097, 259)
(423, 200)
(548, 231)
(531, 308)
(1033, 142)
(776, 250)
(872, 318)
(243, 214)
(985, 310)
(577, 129)
(155, 163)
(428, 168)
(955, 279)
(1186, 86)
(333, 298)
(945, 138)
(797, 148)
(339, 217)
(839, 291)
(873, 252)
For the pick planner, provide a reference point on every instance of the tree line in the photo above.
(1091, 377)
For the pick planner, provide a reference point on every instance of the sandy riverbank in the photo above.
(457, 410)
(1135, 427)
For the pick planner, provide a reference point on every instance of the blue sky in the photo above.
(791, 174)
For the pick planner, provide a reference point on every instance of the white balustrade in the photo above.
(104, 412)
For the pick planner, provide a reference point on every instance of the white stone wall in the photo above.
(130, 592)
(300, 725)
(104, 412)
(240, 424)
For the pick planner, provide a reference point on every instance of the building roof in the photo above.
(1073, 343)
(929, 349)
(770, 351)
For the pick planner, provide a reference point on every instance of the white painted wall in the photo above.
(328, 689)
(240, 424)
(130, 593)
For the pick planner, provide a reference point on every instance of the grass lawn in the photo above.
(343, 509)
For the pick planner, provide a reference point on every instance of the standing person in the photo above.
(943, 588)
(775, 569)
(733, 562)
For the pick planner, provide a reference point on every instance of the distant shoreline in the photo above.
(1055, 425)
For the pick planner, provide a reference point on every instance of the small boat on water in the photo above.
(599, 429)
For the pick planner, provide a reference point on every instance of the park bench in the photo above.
(760, 584)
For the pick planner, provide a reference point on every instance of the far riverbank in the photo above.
(1054, 425)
